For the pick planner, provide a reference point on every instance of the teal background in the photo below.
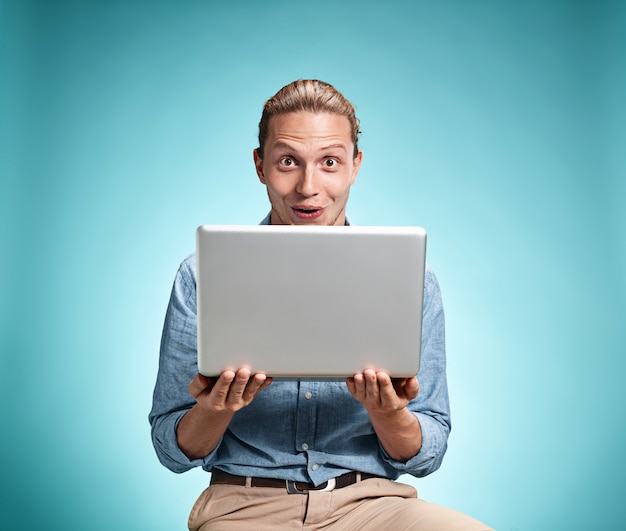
(498, 126)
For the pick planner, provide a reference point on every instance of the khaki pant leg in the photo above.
(378, 505)
(235, 508)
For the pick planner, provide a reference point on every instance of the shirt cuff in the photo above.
(430, 456)
(169, 452)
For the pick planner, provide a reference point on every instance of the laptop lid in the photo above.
(310, 301)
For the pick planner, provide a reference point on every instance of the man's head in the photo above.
(308, 156)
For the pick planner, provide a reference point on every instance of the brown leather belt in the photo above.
(218, 477)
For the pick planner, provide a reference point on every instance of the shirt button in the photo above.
(315, 467)
(305, 446)
(308, 395)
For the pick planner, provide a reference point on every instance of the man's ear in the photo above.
(258, 164)
(356, 166)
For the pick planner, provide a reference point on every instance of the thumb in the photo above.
(198, 385)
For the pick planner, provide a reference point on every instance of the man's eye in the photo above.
(286, 161)
(330, 163)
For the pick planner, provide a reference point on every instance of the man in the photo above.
(301, 454)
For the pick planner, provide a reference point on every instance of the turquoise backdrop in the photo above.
(496, 125)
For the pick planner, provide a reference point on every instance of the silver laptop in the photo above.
(310, 301)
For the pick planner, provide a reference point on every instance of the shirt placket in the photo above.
(306, 421)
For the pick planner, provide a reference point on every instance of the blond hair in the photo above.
(309, 95)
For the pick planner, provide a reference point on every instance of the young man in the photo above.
(302, 454)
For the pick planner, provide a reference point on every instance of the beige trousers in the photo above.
(372, 504)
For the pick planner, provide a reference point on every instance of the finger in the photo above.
(254, 386)
(198, 385)
(372, 392)
(412, 388)
(268, 381)
(387, 390)
(359, 385)
(222, 386)
(238, 385)
(351, 385)
(406, 387)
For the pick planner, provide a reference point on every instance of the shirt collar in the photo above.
(266, 220)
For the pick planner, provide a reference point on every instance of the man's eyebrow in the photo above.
(334, 146)
(282, 144)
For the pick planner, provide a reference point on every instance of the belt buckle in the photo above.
(292, 489)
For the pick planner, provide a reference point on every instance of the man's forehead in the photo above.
(333, 129)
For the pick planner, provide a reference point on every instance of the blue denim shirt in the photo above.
(296, 429)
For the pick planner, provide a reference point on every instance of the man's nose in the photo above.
(308, 185)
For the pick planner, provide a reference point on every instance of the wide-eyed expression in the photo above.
(308, 167)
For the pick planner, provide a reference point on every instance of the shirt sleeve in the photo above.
(432, 406)
(177, 367)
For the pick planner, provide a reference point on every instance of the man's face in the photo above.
(308, 168)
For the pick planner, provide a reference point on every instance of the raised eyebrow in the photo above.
(287, 147)
(283, 145)
(335, 146)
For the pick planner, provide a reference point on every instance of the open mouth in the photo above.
(308, 213)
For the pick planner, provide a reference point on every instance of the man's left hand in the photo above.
(379, 393)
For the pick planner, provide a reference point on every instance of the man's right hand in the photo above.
(230, 392)
(202, 427)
